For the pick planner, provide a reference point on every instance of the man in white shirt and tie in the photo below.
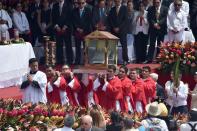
(176, 23)
(5, 23)
(21, 23)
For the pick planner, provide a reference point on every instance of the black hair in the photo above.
(147, 67)
(113, 67)
(32, 60)
(125, 68)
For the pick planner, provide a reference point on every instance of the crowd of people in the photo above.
(122, 90)
(136, 23)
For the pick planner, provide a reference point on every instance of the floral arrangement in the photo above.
(170, 53)
(17, 116)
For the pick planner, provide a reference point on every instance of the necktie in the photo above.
(60, 9)
(117, 10)
(157, 14)
(81, 12)
(141, 19)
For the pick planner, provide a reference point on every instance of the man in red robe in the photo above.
(73, 85)
(150, 87)
(138, 91)
(127, 89)
(56, 87)
(109, 90)
(86, 92)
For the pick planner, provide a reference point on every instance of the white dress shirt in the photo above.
(176, 21)
(179, 99)
(20, 22)
(143, 27)
(64, 129)
(4, 27)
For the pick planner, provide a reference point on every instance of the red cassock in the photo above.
(86, 96)
(150, 89)
(127, 94)
(108, 94)
(73, 88)
(138, 92)
(56, 91)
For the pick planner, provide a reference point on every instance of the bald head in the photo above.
(86, 122)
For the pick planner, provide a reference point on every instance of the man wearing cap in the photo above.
(152, 121)
(194, 93)
(68, 123)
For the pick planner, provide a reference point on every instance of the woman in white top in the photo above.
(141, 33)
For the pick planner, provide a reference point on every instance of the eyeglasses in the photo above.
(81, 3)
(178, 5)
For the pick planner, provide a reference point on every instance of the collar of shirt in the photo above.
(61, 3)
(33, 72)
(111, 78)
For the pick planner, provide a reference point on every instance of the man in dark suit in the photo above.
(32, 11)
(117, 20)
(157, 18)
(99, 16)
(86, 124)
(82, 23)
(61, 19)
(193, 18)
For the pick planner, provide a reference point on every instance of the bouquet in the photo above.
(184, 54)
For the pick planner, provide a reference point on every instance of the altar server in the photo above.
(5, 23)
(34, 84)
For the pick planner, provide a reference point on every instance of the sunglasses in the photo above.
(178, 4)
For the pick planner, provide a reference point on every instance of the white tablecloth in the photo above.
(14, 63)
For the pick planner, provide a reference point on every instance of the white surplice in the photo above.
(33, 94)
(4, 27)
